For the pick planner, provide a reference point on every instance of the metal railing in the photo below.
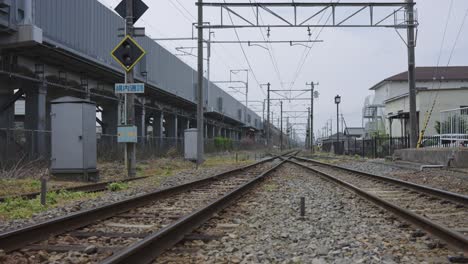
(381, 147)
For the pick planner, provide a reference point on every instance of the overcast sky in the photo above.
(348, 62)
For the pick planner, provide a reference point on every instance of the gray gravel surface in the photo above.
(136, 188)
(264, 227)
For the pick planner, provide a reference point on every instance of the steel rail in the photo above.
(15, 239)
(453, 197)
(452, 238)
(154, 245)
(95, 187)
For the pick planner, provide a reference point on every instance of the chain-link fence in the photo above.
(21, 145)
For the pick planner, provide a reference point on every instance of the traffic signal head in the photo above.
(127, 53)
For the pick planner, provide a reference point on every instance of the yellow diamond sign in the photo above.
(128, 53)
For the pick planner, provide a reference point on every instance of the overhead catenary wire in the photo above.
(245, 55)
(190, 21)
(270, 50)
(310, 49)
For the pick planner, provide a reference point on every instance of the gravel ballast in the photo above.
(339, 227)
(448, 180)
(135, 188)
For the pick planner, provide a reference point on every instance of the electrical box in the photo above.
(73, 122)
(190, 144)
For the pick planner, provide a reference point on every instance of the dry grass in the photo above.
(26, 178)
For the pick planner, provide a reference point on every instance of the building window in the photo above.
(249, 119)
(256, 122)
(239, 114)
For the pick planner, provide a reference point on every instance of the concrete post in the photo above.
(36, 120)
(161, 130)
(143, 127)
(176, 131)
(7, 118)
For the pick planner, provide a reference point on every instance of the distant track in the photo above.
(441, 213)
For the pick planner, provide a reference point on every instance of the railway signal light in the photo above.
(128, 53)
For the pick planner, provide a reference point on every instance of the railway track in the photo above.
(138, 229)
(441, 213)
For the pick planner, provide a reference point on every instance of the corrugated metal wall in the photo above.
(90, 29)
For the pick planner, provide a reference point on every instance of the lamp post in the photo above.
(337, 102)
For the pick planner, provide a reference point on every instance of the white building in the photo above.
(441, 87)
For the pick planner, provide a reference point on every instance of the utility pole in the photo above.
(308, 144)
(281, 126)
(200, 125)
(246, 89)
(208, 66)
(411, 74)
(287, 132)
(263, 111)
(268, 115)
(311, 138)
(130, 98)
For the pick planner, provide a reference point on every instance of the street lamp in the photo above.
(337, 102)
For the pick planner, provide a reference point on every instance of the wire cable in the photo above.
(245, 55)
(269, 49)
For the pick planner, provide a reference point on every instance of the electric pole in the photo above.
(268, 115)
(281, 126)
(308, 129)
(311, 136)
(200, 104)
(130, 98)
(287, 132)
(411, 74)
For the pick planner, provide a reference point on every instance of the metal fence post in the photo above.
(363, 151)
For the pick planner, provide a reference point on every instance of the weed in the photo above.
(16, 208)
(117, 186)
(271, 187)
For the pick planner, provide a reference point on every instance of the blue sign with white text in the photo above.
(123, 88)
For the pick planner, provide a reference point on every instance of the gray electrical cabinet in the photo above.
(73, 140)
(190, 144)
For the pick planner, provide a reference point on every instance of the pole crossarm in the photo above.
(304, 90)
(290, 42)
(230, 82)
(337, 10)
(288, 99)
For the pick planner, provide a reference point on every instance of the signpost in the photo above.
(128, 53)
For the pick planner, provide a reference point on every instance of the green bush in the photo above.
(222, 143)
